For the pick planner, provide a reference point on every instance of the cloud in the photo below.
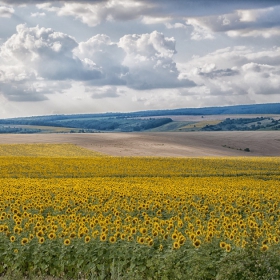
(40, 55)
(235, 18)
(38, 14)
(155, 20)
(262, 78)
(100, 50)
(175, 25)
(182, 7)
(48, 52)
(139, 61)
(93, 13)
(265, 33)
(6, 11)
(237, 71)
(150, 62)
(200, 31)
(103, 92)
(245, 23)
(34, 61)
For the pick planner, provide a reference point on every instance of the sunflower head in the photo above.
(112, 239)
(67, 242)
(52, 235)
(176, 245)
(196, 243)
(87, 239)
(24, 241)
(264, 248)
(103, 237)
(12, 238)
(174, 236)
(228, 248)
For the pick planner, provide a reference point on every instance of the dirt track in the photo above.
(190, 144)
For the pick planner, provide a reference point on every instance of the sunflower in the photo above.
(40, 233)
(174, 236)
(24, 241)
(143, 230)
(87, 239)
(103, 237)
(67, 242)
(196, 243)
(12, 238)
(52, 235)
(182, 241)
(276, 239)
(141, 240)
(228, 248)
(112, 239)
(155, 233)
(176, 245)
(264, 248)
(41, 240)
(192, 236)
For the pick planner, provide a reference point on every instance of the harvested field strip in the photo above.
(45, 150)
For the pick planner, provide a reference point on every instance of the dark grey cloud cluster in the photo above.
(262, 22)
(219, 73)
(195, 4)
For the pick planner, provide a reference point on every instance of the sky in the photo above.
(91, 56)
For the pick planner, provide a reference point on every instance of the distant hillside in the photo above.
(155, 120)
(270, 108)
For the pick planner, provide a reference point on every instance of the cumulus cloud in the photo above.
(36, 54)
(33, 59)
(237, 71)
(150, 63)
(48, 52)
(139, 61)
(245, 23)
(100, 50)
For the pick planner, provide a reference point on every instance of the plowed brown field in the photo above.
(173, 144)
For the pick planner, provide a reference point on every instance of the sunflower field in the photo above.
(70, 213)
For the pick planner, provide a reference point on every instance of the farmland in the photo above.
(164, 144)
(71, 213)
